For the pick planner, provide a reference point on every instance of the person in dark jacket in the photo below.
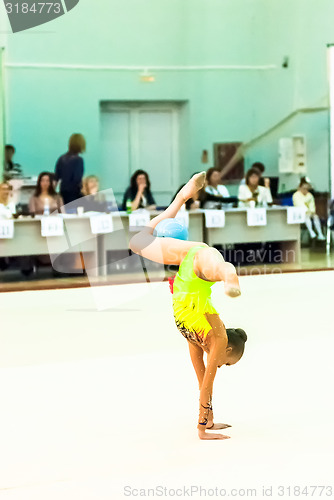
(11, 170)
(139, 192)
(70, 168)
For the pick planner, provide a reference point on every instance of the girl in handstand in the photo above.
(200, 266)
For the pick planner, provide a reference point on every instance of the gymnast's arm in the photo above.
(205, 399)
(196, 355)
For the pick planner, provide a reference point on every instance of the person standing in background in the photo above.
(70, 168)
(139, 192)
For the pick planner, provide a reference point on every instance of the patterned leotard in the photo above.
(191, 300)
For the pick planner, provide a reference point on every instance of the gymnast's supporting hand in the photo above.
(205, 421)
(196, 355)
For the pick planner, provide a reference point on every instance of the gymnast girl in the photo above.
(200, 266)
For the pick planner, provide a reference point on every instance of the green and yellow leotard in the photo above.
(191, 300)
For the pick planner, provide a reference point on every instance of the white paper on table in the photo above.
(52, 226)
(296, 215)
(101, 224)
(214, 218)
(6, 229)
(139, 219)
(256, 217)
(68, 216)
(183, 217)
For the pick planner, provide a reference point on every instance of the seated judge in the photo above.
(92, 200)
(215, 189)
(7, 206)
(139, 192)
(251, 191)
(45, 196)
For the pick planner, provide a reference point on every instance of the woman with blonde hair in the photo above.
(70, 168)
(93, 200)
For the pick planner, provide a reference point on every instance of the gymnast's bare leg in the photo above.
(209, 263)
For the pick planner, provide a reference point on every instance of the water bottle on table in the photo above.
(46, 207)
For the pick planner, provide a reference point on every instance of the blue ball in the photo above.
(171, 228)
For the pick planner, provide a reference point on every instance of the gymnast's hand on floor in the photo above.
(206, 435)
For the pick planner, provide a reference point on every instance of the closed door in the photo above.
(115, 143)
(140, 138)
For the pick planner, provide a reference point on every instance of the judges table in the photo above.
(120, 237)
(78, 236)
(122, 233)
(277, 229)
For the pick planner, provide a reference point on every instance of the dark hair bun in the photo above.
(242, 334)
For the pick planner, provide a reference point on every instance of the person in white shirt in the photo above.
(251, 191)
(215, 189)
(303, 198)
(7, 207)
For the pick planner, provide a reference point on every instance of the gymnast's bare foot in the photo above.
(232, 287)
(204, 435)
(233, 292)
(193, 185)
